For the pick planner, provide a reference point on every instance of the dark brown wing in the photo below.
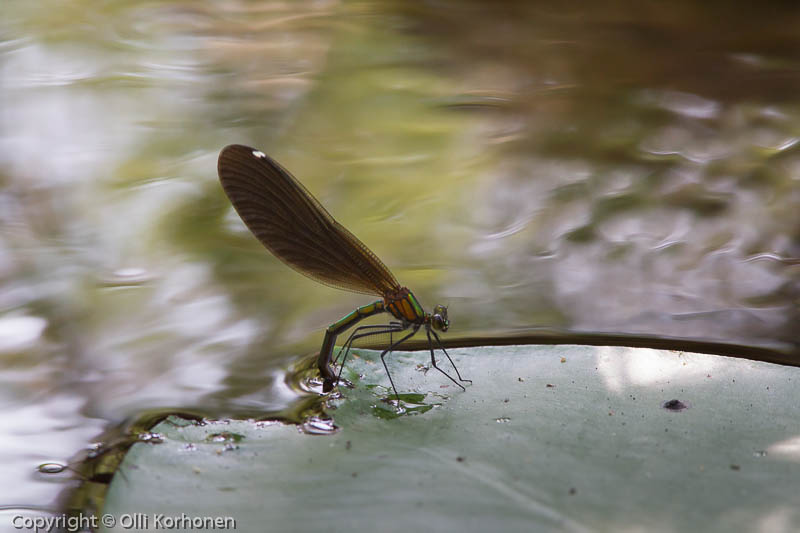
(295, 227)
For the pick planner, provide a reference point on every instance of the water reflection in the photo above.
(20, 332)
(588, 167)
(788, 449)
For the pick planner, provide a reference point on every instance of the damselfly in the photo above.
(295, 227)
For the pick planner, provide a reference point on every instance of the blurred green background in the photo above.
(629, 167)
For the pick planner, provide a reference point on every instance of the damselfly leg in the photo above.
(391, 349)
(380, 329)
(433, 360)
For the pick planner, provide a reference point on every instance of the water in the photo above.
(621, 168)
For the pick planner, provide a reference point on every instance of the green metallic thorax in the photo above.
(405, 306)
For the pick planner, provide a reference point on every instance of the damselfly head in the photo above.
(439, 318)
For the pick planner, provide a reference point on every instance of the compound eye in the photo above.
(439, 318)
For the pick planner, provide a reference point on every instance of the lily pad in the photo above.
(548, 438)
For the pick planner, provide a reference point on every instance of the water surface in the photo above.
(626, 169)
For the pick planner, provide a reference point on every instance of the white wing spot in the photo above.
(259, 154)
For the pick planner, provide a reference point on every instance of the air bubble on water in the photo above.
(51, 468)
(152, 438)
(224, 437)
(319, 426)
